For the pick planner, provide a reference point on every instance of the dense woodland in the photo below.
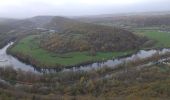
(78, 36)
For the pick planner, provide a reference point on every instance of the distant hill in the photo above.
(10, 29)
(6, 20)
(6, 25)
(40, 21)
(130, 20)
(62, 24)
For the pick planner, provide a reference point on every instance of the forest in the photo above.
(79, 36)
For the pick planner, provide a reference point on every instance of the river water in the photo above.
(9, 60)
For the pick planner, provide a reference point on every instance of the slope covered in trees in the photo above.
(78, 36)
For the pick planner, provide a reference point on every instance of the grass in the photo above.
(162, 38)
(29, 46)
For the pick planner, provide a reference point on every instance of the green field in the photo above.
(29, 47)
(162, 38)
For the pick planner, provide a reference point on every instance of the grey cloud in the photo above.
(74, 8)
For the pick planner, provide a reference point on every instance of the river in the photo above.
(9, 60)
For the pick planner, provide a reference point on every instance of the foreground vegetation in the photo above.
(126, 82)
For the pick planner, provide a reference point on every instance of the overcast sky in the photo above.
(28, 8)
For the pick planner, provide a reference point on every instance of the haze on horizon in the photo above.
(29, 8)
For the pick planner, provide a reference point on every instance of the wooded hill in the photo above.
(12, 29)
(71, 35)
(74, 35)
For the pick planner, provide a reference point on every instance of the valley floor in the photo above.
(30, 49)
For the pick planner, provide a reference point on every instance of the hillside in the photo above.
(78, 36)
(75, 43)
(12, 29)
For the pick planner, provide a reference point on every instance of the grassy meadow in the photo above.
(162, 38)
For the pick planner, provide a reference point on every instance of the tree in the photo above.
(90, 86)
